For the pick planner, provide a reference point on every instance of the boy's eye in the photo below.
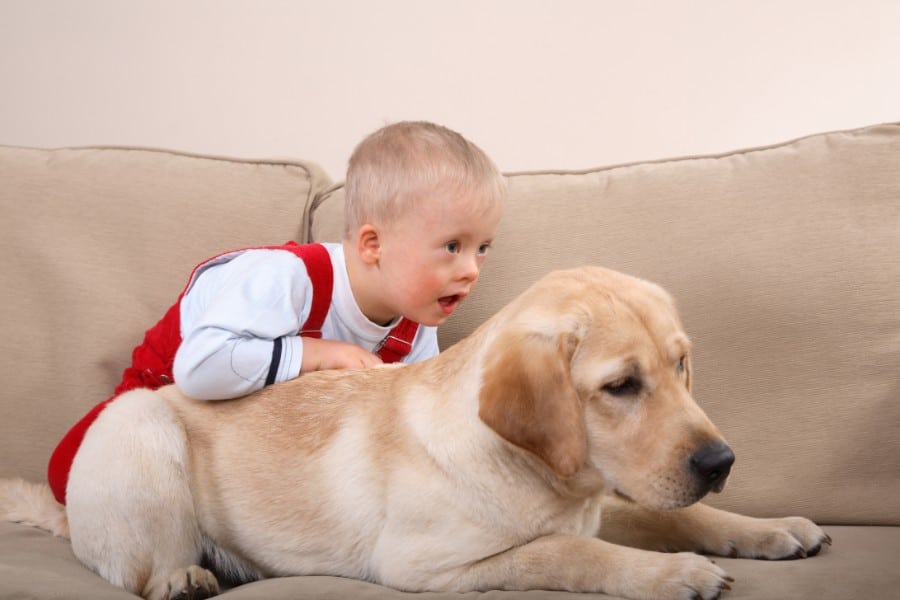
(483, 249)
(453, 247)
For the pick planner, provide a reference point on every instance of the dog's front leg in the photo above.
(702, 528)
(583, 564)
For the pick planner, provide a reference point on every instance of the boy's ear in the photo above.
(368, 244)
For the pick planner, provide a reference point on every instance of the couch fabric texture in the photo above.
(784, 261)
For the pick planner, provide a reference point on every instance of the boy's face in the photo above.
(431, 257)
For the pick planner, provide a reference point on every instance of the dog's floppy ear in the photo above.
(527, 398)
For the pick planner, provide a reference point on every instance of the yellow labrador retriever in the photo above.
(484, 468)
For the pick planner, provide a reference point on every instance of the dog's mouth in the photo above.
(623, 496)
(678, 498)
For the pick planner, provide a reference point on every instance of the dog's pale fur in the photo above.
(484, 468)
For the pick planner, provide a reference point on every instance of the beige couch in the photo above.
(785, 261)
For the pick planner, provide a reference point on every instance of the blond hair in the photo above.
(403, 163)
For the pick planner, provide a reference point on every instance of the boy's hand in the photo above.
(319, 355)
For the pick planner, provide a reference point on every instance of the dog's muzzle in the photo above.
(711, 465)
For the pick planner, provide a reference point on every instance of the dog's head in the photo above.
(590, 372)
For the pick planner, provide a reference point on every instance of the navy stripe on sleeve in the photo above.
(276, 360)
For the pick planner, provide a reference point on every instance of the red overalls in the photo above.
(151, 362)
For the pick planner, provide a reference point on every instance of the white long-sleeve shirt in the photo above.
(239, 305)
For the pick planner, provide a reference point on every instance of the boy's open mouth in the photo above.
(449, 303)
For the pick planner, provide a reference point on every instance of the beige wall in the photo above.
(539, 84)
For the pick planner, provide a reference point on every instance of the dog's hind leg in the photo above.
(131, 514)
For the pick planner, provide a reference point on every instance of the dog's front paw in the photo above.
(779, 539)
(192, 583)
(685, 576)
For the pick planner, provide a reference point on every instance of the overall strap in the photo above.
(318, 267)
(398, 342)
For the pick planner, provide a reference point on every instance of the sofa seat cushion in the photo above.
(861, 564)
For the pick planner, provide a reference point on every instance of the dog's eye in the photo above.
(624, 386)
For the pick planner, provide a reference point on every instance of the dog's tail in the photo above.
(32, 504)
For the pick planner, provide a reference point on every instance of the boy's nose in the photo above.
(468, 268)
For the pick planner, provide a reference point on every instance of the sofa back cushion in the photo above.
(97, 243)
(785, 262)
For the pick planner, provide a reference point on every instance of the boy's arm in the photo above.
(238, 322)
(322, 354)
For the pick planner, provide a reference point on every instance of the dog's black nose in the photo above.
(712, 464)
